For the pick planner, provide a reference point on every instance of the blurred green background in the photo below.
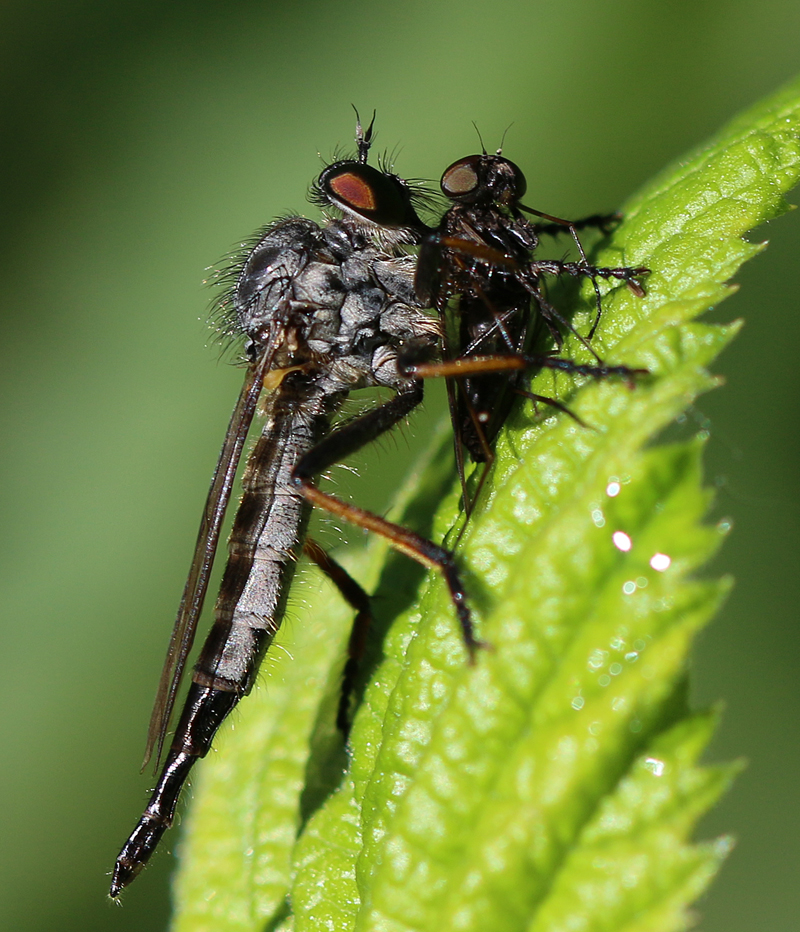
(140, 141)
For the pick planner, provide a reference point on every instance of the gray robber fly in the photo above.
(324, 310)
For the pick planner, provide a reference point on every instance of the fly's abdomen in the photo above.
(262, 557)
(263, 548)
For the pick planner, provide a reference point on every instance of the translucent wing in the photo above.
(194, 592)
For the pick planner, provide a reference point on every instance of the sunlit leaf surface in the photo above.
(553, 785)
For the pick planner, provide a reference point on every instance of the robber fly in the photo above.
(483, 252)
(324, 309)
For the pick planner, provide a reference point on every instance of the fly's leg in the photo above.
(551, 402)
(512, 362)
(488, 453)
(471, 366)
(347, 440)
(358, 600)
(624, 273)
(583, 269)
(627, 274)
(528, 273)
(598, 221)
(605, 223)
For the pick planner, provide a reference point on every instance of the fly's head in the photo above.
(300, 290)
(374, 202)
(484, 180)
(377, 204)
(476, 245)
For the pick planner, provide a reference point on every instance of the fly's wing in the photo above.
(194, 592)
(258, 302)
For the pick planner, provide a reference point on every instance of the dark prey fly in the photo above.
(482, 255)
(324, 309)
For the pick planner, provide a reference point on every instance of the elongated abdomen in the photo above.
(264, 545)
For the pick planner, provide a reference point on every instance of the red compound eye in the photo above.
(362, 191)
(354, 191)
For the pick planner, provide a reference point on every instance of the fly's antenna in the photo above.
(480, 138)
(363, 139)
(503, 140)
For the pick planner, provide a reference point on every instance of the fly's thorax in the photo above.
(325, 281)
(363, 301)
(368, 355)
(263, 285)
(383, 367)
(387, 363)
(396, 275)
(492, 226)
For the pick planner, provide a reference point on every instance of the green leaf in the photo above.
(553, 785)
(272, 766)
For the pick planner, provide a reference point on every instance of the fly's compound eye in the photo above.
(365, 192)
(484, 178)
(463, 178)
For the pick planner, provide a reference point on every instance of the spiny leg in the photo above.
(529, 272)
(484, 365)
(358, 600)
(605, 223)
(553, 403)
(347, 440)
(457, 369)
